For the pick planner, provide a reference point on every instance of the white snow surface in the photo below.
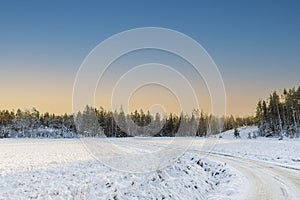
(64, 169)
(243, 131)
(284, 152)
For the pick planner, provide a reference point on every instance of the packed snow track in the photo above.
(264, 180)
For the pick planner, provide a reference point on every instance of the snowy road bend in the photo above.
(262, 180)
(265, 181)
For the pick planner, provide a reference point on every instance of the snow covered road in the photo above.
(263, 180)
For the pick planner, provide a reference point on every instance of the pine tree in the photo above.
(236, 133)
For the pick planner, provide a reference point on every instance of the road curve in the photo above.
(265, 181)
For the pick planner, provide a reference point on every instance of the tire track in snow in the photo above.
(265, 181)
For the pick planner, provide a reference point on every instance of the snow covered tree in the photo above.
(88, 124)
(236, 133)
(280, 115)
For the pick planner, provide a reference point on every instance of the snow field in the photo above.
(284, 152)
(63, 169)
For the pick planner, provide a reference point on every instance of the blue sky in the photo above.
(256, 44)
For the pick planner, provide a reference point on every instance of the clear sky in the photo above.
(255, 44)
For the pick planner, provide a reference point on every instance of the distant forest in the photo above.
(94, 122)
(279, 115)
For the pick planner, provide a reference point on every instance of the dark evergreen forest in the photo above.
(279, 115)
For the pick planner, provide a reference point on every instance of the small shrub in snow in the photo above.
(236, 133)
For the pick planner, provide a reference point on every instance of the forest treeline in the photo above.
(100, 122)
(279, 115)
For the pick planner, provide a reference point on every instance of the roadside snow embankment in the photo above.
(63, 169)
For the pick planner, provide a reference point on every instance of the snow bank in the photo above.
(284, 152)
(63, 169)
(244, 132)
